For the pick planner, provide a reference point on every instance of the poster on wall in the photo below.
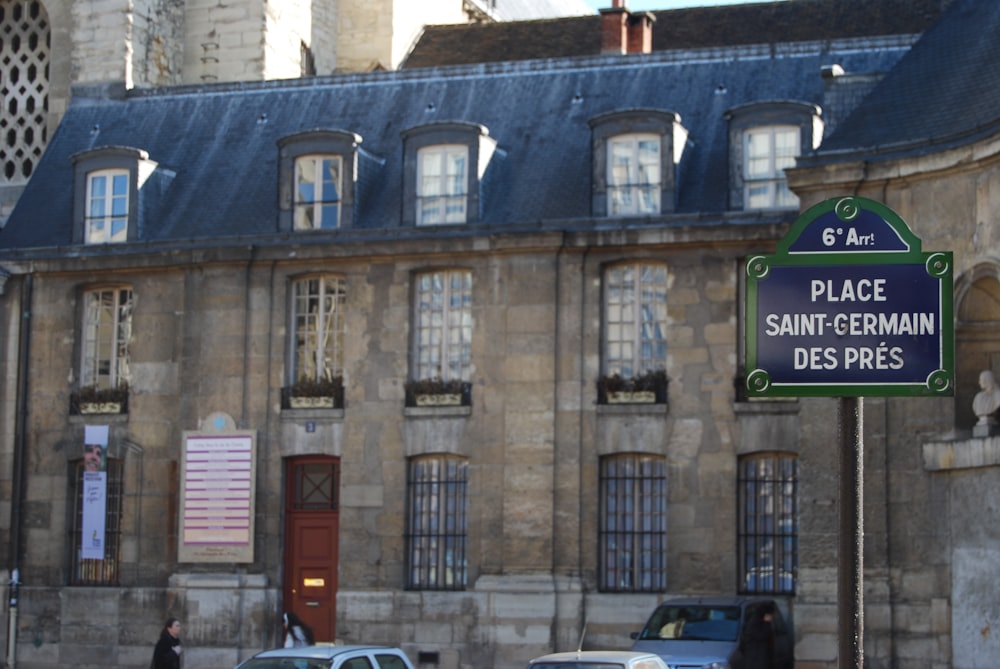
(95, 491)
(217, 492)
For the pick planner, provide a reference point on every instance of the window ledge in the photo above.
(766, 406)
(437, 411)
(322, 414)
(102, 417)
(632, 409)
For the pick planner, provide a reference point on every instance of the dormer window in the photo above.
(765, 138)
(107, 183)
(767, 151)
(107, 206)
(443, 169)
(318, 180)
(634, 169)
(317, 191)
(636, 153)
(442, 184)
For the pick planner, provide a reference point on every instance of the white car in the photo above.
(598, 659)
(329, 657)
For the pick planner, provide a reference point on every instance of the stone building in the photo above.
(49, 46)
(354, 343)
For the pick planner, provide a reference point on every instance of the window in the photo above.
(317, 192)
(634, 175)
(89, 571)
(765, 138)
(318, 179)
(635, 319)
(442, 180)
(767, 152)
(443, 326)
(633, 523)
(436, 523)
(768, 510)
(636, 154)
(444, 170)
(107, 334)
(319, 328)
(107, 206)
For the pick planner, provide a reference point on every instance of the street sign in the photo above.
(849, 306)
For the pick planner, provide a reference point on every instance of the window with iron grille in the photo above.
(768, 512)
(107, 333)
(632, 541)
(635, 319)
(315, 486)
(436, 523)
(106, 571)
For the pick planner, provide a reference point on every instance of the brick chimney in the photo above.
(624, 32)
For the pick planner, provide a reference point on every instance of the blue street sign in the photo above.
(849, 306)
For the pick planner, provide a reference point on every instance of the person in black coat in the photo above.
(297, 633)
(167, 653)
(758, 640)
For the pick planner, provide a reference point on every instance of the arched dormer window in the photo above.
(318, 173)
(106, 186)
(765, 138)
(443, 168)
(636, 153)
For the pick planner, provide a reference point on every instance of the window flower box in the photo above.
(314, 394)
(437, 392)
(646, 388)
(91, 400)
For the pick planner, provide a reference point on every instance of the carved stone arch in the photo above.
(977, 334)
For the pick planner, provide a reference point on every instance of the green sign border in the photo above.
(939, 265)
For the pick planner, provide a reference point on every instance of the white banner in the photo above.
(95, 486)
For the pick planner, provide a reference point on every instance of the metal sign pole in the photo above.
(850, 580)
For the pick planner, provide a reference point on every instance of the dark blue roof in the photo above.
(221, 140)
(947, 89)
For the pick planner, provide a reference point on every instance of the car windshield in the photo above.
(286, 663)
(694, 622)
(577, 665)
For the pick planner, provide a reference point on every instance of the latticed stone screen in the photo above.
(24, 87)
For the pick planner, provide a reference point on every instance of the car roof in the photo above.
(325, 652)
(714, 600)
(593, 656)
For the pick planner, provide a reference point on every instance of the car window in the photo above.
(390, 661)
(356, 663)
(694, 622)
(577, 665)
(285, 663)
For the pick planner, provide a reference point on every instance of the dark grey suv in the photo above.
(711, 632)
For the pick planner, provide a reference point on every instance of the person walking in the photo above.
(167, 653)
(758, 640)
(297, 633)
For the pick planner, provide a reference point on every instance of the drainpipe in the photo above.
(17, 473)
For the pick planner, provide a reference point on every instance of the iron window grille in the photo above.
(632, 541)
(768, 512)
(89, 571)
(436, 521)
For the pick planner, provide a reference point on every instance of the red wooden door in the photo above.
(312, 523)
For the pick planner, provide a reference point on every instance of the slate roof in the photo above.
(691, 28)
(221, 140)
(946, 90)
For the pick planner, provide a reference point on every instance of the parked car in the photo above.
(708, 632)
(329, 657)
(598, 659)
